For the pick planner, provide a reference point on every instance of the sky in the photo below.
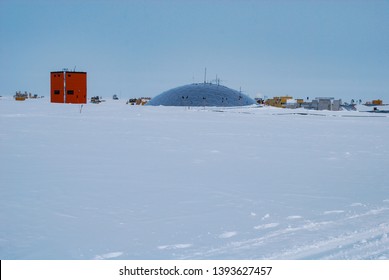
(143, 48)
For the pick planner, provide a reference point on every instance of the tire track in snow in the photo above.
(364, 244)
(352, 238)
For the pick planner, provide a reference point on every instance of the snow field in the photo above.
(129, 182)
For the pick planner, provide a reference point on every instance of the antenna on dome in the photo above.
(205, 75)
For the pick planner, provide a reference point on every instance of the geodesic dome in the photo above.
(202, 94)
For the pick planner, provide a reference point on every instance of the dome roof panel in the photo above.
(203, 94)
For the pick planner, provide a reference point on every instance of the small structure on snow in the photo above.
(138, 101)
(323, 103)
(68, 87)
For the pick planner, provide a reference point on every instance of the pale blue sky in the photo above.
(142, 48)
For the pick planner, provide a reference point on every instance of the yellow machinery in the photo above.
(278, 101)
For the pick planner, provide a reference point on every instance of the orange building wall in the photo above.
(56, 87)
(75, 87)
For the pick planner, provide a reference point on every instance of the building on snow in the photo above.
(202, 94)
(68, 87)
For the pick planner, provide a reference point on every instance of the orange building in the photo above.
(68, 87)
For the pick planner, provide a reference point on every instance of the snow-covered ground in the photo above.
(142, 182)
